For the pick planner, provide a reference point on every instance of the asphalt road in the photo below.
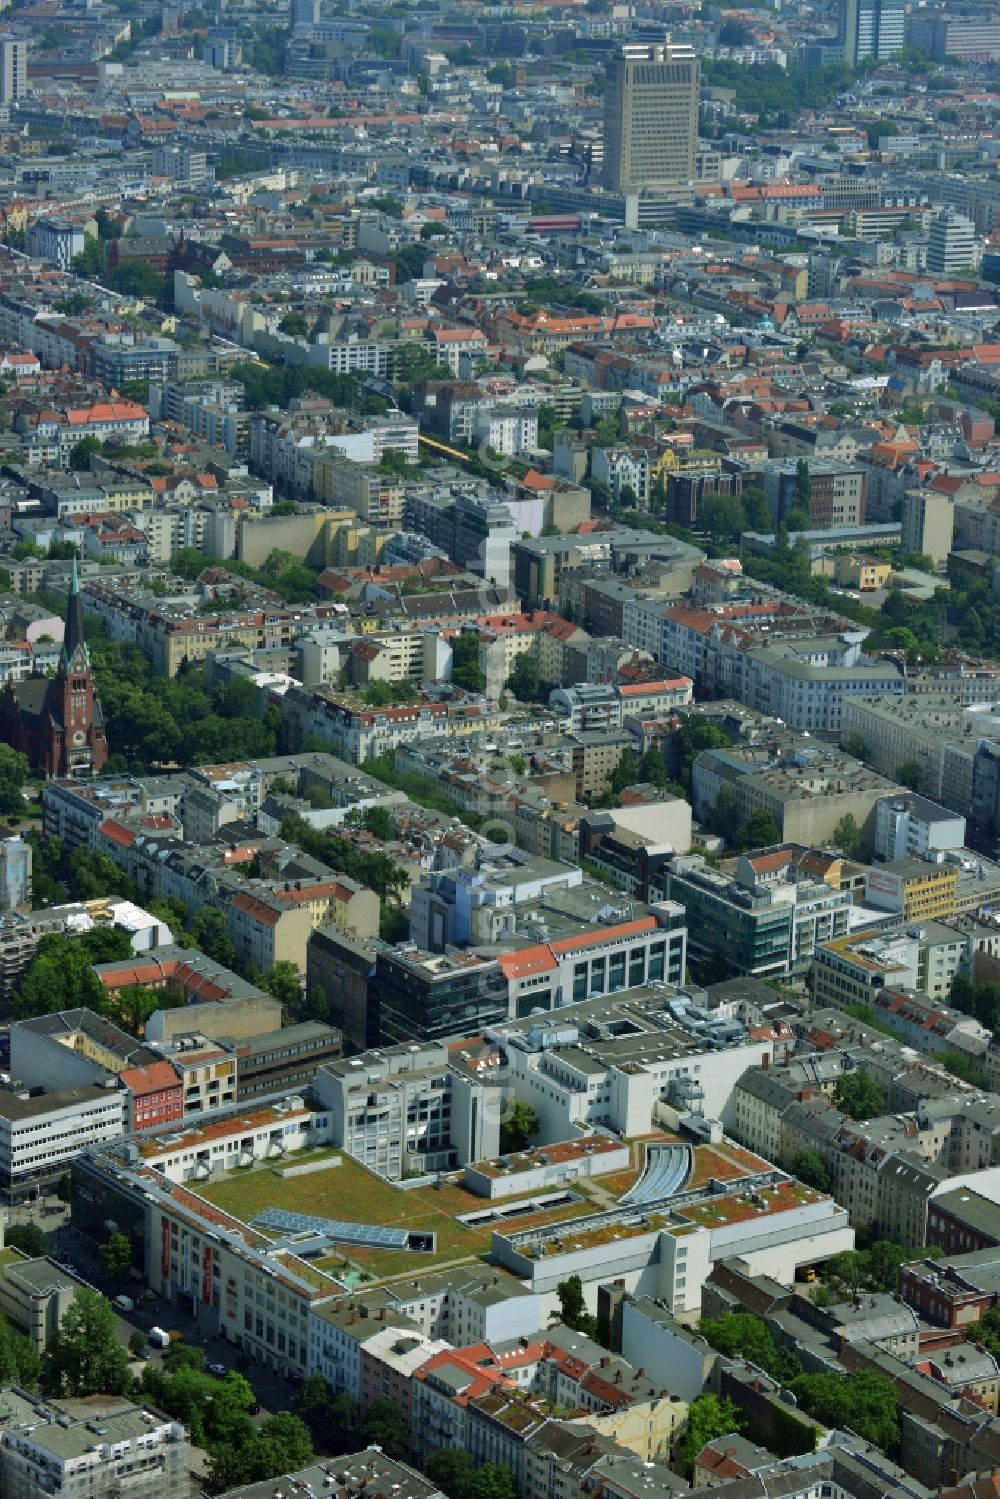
(273, 1392)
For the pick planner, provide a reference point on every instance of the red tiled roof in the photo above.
(124, 837)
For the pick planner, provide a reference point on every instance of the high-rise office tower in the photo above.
(13, 70)
(650, 116)
(871, 28)
(304, 13)
(951, 243)
(891, 27)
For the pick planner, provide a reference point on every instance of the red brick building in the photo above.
(156, 1095)
(57, 721)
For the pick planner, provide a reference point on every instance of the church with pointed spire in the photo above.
(57, 721)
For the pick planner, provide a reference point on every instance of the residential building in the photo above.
(587, 707)
(911, 826)
(55, 240)
(836, 492)
(359, 1475)
(77, 1048)
(928, 523)
(806, 787)
(146, 1453)
(768, 652)
(626, 472)
(938, 728)
(270, 923)
(852, 969)
(510, 430)
(181, 164)
(13, 71)
(633, 846)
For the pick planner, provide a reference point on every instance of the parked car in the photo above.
(219, 1370)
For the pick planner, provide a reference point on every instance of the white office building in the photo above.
(911, 826)
(952, 243)
(40, 1136)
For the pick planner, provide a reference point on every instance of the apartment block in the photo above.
(852, 969)
(412, 1108)
(44, 1450)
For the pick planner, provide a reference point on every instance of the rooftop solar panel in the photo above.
(344, 1233)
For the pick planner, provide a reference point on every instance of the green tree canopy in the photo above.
(708, 1418)
(524, 681)
(722, 516)
(847, 836)
(375, 820)
(13, 774)
(518, 1125)
(384, 1424)
(61, 976)
(215, 1411)
(317, 1405)
(573, 1308)
(212, 935)
(695, 734)
(653, 767)
(115, 1255)
(759, 831)
(809, 1168)
(81, 453)
(866, 1403)
(19, 1360)
(908, 774)
(860, 1096)
(452, 1470)
(284, 982)
(625, 773)
(466, 671)
(295, 324)
(85, 1356)
(743, 1336)
(28, 1238)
